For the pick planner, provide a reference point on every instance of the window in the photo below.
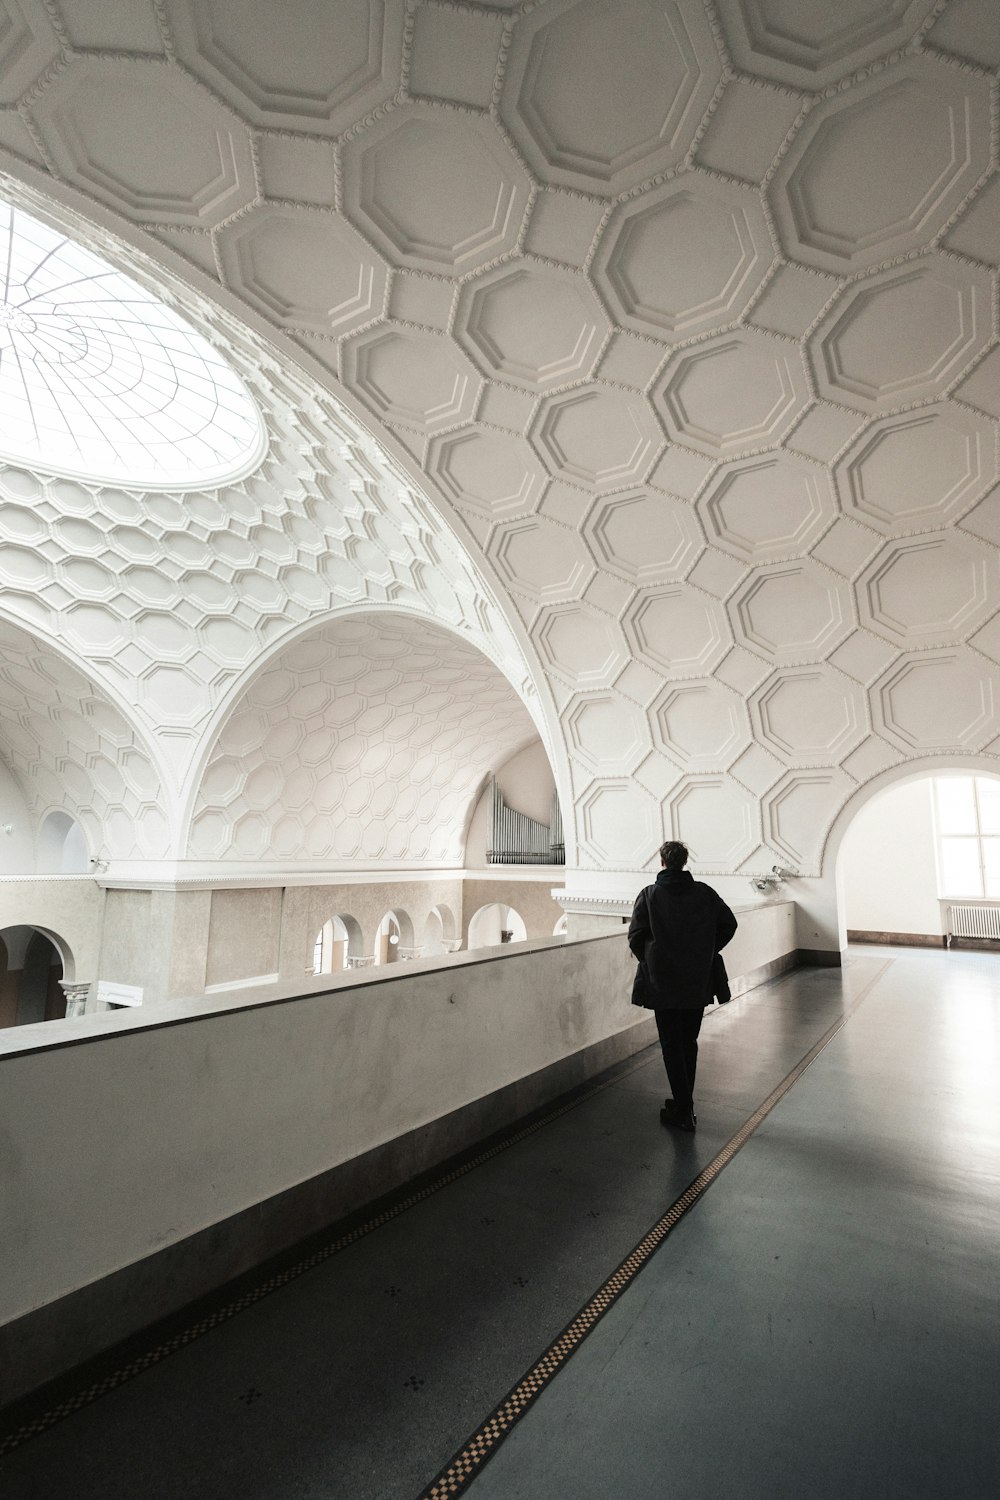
(101, 380)
(967, 818)
(323, 950)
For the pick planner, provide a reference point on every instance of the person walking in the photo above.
(679, 927)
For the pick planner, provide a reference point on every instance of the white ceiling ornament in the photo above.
(620, 826)
(930, 590)
(811, 43)
(938, 701)
(100, 380)
(572, 64)
(533, 325)
(104, 122)
(307, 66)
(71, 748)
(912, 142)
(768, 508)
(364, 741)
(650, 346)
(799, 812)
(702, 725)
(714, 238)
(717, 819)
(905, 335)
(437, 191)
(738, 393)
(919, 471)
(809, 716)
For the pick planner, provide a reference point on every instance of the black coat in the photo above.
(678, 926)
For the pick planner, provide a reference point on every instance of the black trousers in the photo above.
(678, 1031)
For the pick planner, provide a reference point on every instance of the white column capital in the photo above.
(76, 992)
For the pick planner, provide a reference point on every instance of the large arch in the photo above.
(364, 740)
(828, 896)
(376, 531)
(294, 648)
(74, 753)
(598, 584)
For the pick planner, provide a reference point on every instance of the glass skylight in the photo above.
(101, 381)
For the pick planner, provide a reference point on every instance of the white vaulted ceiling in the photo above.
(367, 740)
(649, 346)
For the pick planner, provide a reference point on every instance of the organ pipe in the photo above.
(516, 839)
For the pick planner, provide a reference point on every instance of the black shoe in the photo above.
(684, 1119)
(670, 1107)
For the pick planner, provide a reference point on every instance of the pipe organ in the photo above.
(516, 839)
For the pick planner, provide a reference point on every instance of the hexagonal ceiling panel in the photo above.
(570, 66)
(437, 191)
(318, 730)
(648, 346)
(713, 238)
(72, 749)
(735, 394)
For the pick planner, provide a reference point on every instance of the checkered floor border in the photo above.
(93, 1392)
(457, 1475)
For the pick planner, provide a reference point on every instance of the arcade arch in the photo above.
(906, 870)
(62, 846)
(394, 938)
(31, 971)
(495, 924)
(440, 933)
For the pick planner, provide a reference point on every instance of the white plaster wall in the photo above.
(766, 931)
(887, 873)
(177, 943)
(527, 784)
(17, 848)
(201, 1119)
(71, 910)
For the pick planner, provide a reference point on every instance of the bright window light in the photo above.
(99, 380)
(967, 815)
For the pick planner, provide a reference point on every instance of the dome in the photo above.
(102, 381)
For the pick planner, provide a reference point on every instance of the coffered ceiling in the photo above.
(650, 346)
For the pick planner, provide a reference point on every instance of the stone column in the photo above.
(76, 996)
(451, 945)
(364, 961)
(406, 954)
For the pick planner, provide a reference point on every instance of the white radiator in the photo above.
(975, 921)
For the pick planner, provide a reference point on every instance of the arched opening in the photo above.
(920, 861)
(559, 930)
(432, 942)
(496, 924)
(440, 932)
(31, 968)
(62, 847)
(322, 956)
(394, 938)
(336, 942)
(82, 767)
(394, 722)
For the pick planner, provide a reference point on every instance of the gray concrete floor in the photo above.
(824, 1321)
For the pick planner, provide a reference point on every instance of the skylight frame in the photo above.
(103, 382)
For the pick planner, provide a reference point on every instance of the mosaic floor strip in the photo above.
(479, 1448)
(128, 1371)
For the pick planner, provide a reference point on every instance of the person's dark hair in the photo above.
(673, 856)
